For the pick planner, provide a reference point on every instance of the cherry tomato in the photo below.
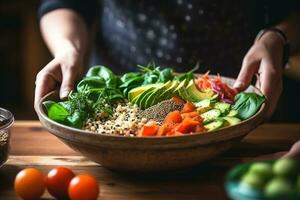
(30, 183)
(58, 180)
(83, 187)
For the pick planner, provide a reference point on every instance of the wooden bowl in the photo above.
(146, 154)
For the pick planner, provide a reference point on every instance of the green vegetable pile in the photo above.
(99, 90)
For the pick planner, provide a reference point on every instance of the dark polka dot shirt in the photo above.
(175, 33)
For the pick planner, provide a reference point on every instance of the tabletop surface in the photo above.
(32, 146)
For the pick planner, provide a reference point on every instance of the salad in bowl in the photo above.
(152, 102)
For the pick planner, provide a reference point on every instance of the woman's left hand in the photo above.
(264, 59)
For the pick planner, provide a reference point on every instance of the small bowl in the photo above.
(6, 121)
(235, 192)
(148, 154)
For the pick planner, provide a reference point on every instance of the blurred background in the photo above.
(23, 53)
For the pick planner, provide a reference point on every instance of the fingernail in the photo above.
(238, 84)
(64, 94)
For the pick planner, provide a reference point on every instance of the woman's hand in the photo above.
(60, 73)
(294, 152)
(264, 59)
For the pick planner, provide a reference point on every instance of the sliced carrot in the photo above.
(187, 125)
(149, 130)
(188, 107)
(177, 99)
(173, 117)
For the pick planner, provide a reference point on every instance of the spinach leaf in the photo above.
(110, 78)
(90, 83)
(130, 75)
(165, 75)
(247, 104)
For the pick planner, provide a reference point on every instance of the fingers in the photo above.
(271, 85)
(46, 80)
(294, 152)
(249, 68)
(69, 76)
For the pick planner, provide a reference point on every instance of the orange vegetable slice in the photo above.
(149, 130)
(187, 125)
(177, 99)
(188, 107)
(173, 117)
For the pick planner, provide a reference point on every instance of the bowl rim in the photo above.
(261, 112)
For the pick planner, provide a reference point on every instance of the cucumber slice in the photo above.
(223, 107)
(210, 115)
(214, 125)
(203, 106)
(230, 121)
(232, 113)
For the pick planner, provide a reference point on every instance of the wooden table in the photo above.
(32, 146)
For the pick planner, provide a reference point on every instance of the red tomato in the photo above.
(83, 187)
(58, 180)
(30, 183)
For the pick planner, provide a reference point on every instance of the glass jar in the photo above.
(6, 121)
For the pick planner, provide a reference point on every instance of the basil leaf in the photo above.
(57, 113)
(48, 104)
(77, 119)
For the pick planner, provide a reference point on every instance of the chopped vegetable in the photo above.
(173, 117)
(188, 125)
(247, 104)
(225, 93)
(149, 130)
(188, 107)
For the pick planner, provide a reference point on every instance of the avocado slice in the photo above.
(214, 125)
(168, 92)
(210, 115)
(196, 94)
(179, 87)
(139, 90)
(232, 113)
(230, 121)
(152, 99)
(223, 107)
(183, 92)
(142, 103)
(139, 98)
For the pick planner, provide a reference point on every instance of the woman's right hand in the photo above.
(60, 73)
